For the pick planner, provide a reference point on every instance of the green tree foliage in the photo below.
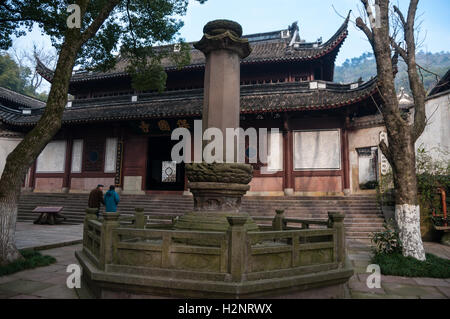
(365, 67)
(11, 75)
(92, 40)
(17, 78)
(129, 32)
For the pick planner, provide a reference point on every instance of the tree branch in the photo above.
(369, 13)
(364, 28)
(397, 48)
(99, 20)
(401, 16)
(417, 88)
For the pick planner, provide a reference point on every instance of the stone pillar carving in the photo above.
(218, 187)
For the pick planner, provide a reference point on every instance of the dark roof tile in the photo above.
(270, 50)
(254, 99)
(25, 101)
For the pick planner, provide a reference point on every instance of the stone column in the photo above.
(139, 218)
(110, 222)
(237, 243)
(336, 221)
(278, 222)
(91, 214)
(218, 187)
(223, 48)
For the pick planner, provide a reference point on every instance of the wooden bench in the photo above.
(49, 214)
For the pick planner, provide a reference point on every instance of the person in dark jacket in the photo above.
(111, 200)
(96, 198)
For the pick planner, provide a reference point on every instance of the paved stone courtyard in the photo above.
(50, 282)
(393, 287)
(29, 235)
(44, 282)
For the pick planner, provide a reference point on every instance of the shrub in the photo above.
(431, 175)
(398, 265)
(388, 241)
(32, 259)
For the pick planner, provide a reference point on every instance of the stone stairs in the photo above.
(363, 213)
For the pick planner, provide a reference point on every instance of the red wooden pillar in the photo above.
(135, 164)
(67, 166)
(346, 158)
(119, 161)
(289, 183)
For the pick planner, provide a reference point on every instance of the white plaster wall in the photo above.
(366, 172)
(111, 155)
(437, 132)
(7, 145)
(317, 150)
(77, 155)
(53, 158)
(275, 152)
(360, 138)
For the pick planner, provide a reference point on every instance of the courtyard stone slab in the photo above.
(362, 295)
(8, 278)
(359, 286)
(57, 292)
(445, 291)
(398, 280)
(432, 282)
(57, 279)
(361, 264)
(36, 275)
(25, 297)
(53, 268)
(7, 294)
(437, 249)
(359, 257)
(29, 235)
(23, 286)
(409, 290)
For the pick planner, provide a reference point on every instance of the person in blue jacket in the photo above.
(111, 200)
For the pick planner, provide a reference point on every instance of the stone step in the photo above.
(181, 203)
(363, 214)
(190, 207)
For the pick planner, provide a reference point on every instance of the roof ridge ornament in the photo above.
(295, 31)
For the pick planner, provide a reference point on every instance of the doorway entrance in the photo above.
(162, 173)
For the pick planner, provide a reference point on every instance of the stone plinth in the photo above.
(218, 190)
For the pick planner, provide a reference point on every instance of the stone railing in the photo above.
(233, 256)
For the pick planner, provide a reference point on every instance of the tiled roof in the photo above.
(442, 86)
(25, 101)
(264, 98)
(265, 48)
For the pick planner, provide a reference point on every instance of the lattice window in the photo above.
(94, 155)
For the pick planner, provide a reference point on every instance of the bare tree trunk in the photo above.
(22, 157)
(402, 135)
(407, 209)
(8, 215)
